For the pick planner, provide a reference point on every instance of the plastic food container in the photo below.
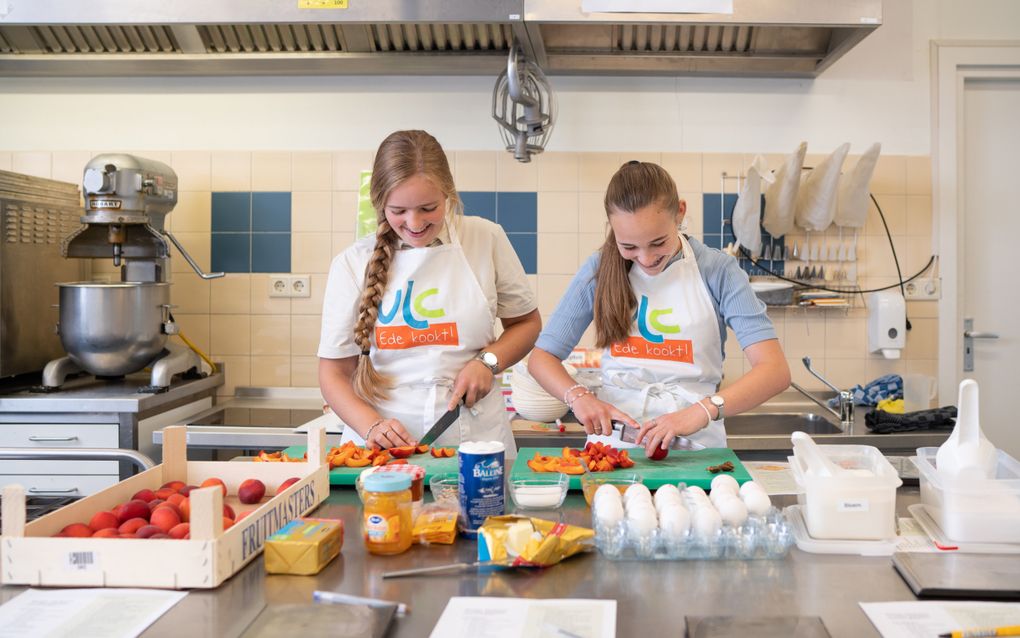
(591, 482)
(983, 511)
(857, 502)
(539, 492)
(444, 487)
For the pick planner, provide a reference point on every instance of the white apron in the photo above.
(433, 319)
(673, 356)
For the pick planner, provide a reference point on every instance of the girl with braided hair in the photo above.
(409, 315)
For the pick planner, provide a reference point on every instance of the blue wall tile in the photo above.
(480, 203)
(517, 212)
(526, 246)
(231, 212)
(231, 252)
(270, 252)
(270, 212)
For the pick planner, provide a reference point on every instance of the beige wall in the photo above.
(272, 342)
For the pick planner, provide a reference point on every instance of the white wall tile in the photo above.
(311, 305)
(238, 373)
(512, 175)
(261, 302)
(347, 167)
(557, 171)
(345, 211)
(231, 295)
(310, 252)
(193, 213)
(38, 164)
(304, 334)
(557, 253)
(231, 334)
(270, 171)
(270, 335)
(311, 212)
(591, 212)
(68, 166)
(230, 171)
(557, 212)
(193, 168)
(311, 171)
(190, 293)
(270, 371)
(304, 372)
(475, 170)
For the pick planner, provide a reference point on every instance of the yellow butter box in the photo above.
(304, 546)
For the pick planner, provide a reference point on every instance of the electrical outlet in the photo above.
(279, 285)
(300, 286)
(285, 285)
(923, 289)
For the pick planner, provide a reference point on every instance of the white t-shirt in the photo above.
(488, 251)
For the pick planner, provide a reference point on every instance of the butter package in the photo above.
(530, 542)
(304, 546)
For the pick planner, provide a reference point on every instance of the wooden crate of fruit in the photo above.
(109, 540)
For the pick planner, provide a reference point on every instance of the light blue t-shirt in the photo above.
(735, 303)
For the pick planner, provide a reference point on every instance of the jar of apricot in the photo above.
(386, 519)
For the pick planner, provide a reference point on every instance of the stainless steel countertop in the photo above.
(651, 596)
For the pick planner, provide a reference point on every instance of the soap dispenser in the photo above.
(887, 323)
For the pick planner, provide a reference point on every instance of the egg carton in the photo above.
(768, 536)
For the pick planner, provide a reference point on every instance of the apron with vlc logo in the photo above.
(673, 355)
(433, 319)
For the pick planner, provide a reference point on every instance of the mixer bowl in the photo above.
(112, 329)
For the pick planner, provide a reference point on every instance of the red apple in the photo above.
(251, 491)
(658, 453)
(292, 480)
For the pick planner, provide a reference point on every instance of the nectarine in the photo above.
(144, 495)
(132, 509)
(173, 485)
(228, 511)
(132, 526)
(103, 520)
(77, 530)
(251, 491)
(148, 531)
(165, 518)
(107, 532)
(292, 480)
(180, 530)
(209, 482)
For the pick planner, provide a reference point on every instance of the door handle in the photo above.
(46, 490)
(969, 335)
(52, 439)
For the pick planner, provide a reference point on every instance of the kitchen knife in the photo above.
(628, 434)
(440, 426)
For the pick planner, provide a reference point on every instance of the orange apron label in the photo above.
(679, 350)
(403, 337)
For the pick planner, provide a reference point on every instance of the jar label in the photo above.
(382, 530)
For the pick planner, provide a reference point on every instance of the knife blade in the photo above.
(440, 426)
(628, 434)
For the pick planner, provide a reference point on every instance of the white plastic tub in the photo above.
(983, 511)
(856, 503)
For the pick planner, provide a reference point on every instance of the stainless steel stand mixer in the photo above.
(111, 329)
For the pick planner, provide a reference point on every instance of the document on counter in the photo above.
(84, 613)
(487, 617)
(775, 476)
(929, 618)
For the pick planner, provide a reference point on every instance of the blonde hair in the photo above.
(401, 155)
(635, 185)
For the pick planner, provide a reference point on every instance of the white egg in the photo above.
(706, 522)
(757, 503)
(674, 521)
(666, 492)
(732, 510)
(674, 501)
(725, 483)
(608, 512)
(641, 521)
(640, 506)
(751, 486)
(607, 492)
(637, 490)
(693, 491)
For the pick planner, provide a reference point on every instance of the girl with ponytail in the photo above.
(660, 301)
(409, 314)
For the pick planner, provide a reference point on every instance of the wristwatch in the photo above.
(719, 404)
(490, 360)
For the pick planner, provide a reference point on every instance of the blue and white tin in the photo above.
(481, 483)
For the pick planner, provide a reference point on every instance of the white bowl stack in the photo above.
(530, 400)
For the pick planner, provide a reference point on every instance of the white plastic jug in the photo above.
(818, 463)
(966, 454)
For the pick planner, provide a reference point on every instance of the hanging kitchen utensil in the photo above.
(781, 195)
(852, 205)
(746, 218)
(523, 105)
(816, 199)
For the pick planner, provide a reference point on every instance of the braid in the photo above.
(368, 382)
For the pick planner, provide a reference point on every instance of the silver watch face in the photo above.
(489, 359)
(717, 401)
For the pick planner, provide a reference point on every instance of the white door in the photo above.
(990, 226)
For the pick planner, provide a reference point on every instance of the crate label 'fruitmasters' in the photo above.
(254, 536)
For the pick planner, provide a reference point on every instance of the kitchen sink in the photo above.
(779, 423)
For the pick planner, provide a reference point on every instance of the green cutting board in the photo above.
(678, 467)
(347, 475)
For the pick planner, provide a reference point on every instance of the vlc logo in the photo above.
(416, 330)
(652, 343)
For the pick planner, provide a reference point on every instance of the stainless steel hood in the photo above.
(797, 38)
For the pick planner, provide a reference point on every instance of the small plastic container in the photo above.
(592, 481)
(856, 502)
(386, 519)
(975, 511)
(539, 492)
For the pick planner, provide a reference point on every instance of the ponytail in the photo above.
(369, 383)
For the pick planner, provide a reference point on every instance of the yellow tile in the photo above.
(713, 165)
(68, 166)
(304, 372)
(193, 212)
(193, 168)
(557, 253)
(890, 176)
(310, 252)
(311, 171)
(238, 373)
(270, 171)
(588, 243)
(475, 170)
(347, 168)
(595, 172)
(304, 334)
(878, 366)
(874, 258)
(804, 335)
(685, 168)
(918, 254)
(37, 164)
(591, 212)
(261, 302)
(694, 217)
(557, 171)
(190, 293)
(231, 334)
(919, 215)
(270, 335)
(270, 371)
(557, 212)
(922, 309)
(895, 209)
(846, 373)
(550, 290)
(512, 175)
(345, 211)
(922, 339)
(310, 305)
(311, 212)
(6, 161)
(919, 175)
(196, 328)
(845, 338)
(231, 171)
(341, 241)
(231, 295)
(199, 246)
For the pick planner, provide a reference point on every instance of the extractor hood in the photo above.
(779, 38)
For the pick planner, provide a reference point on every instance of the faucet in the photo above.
(846, 399)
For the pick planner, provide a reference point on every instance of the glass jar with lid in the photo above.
(386, 519)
